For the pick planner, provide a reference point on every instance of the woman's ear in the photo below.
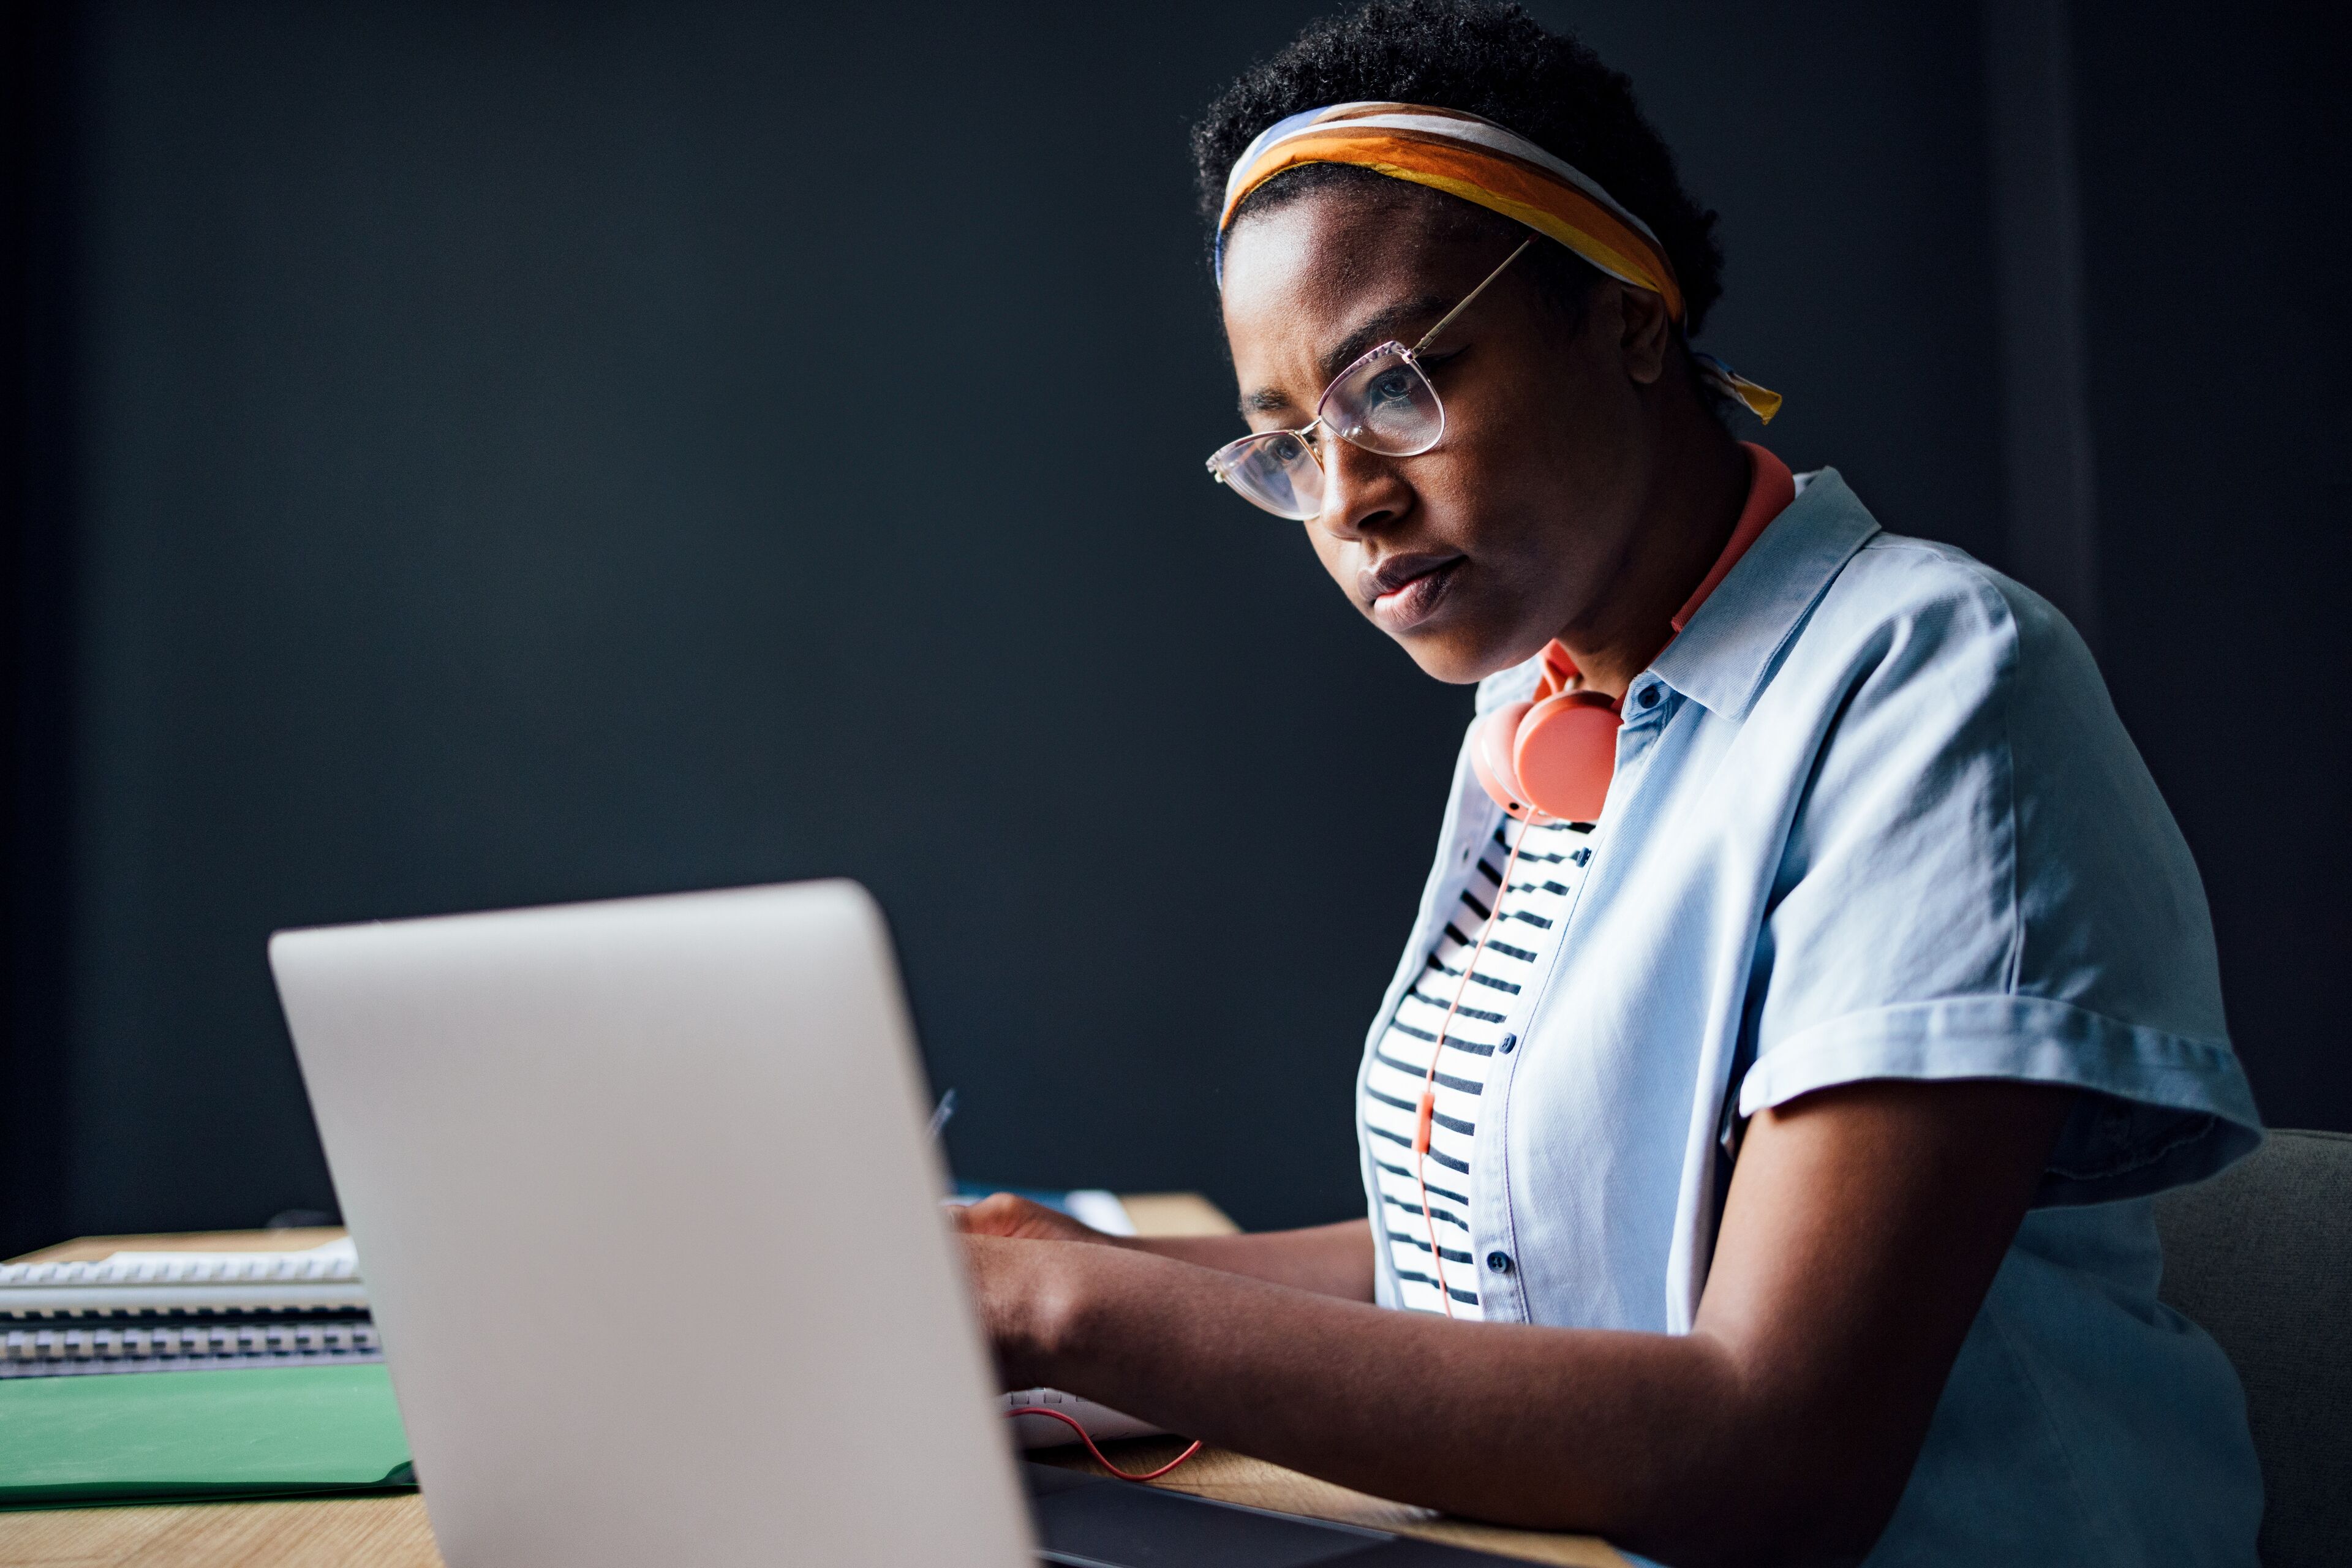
(1644, 332)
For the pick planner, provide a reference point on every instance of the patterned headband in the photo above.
(1479, 162)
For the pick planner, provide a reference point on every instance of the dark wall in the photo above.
(569, 451)
(38, 187)
(2216, 150)
(1843, 145)
(559, 453)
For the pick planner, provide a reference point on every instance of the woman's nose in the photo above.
(1362, 490)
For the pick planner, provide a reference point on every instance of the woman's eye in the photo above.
(1392, 385)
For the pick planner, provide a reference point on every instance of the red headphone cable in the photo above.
(1437, 1049)
(1087, 1439)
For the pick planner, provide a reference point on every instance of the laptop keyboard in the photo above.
(1116, 1525)
(1086, 1521)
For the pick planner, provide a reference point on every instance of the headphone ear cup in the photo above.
(1490, 756)
(1564, 752)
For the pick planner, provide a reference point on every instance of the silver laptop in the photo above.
(653, 1239)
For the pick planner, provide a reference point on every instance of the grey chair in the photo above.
(2262, 1256)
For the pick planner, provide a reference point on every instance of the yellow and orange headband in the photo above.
(1481, 163)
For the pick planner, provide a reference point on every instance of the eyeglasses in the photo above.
(1382, 402)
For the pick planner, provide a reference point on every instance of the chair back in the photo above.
(2260, 1256)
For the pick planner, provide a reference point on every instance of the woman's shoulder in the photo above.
(1916, 579)
(1905, 606)
(1930, 657)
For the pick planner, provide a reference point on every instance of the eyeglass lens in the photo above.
(1276, 470)
(1382, 403)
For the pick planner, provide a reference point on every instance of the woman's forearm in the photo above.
(1326, 1260)
(1545, 1428)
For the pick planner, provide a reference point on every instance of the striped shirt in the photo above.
(1493, 1014)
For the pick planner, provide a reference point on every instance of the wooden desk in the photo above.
(391, 1531)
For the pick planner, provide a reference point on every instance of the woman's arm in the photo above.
(1863, 1227)
(1326, 1260)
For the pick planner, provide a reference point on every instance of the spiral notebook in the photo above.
(176, 1311)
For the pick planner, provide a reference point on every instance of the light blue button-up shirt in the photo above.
(1880, 820)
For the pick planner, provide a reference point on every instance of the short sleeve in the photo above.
(1982, 880)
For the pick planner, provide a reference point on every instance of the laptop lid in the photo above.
(652, 1235)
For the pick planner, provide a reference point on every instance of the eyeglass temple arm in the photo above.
(1447, 319)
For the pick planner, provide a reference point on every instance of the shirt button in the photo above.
(1648, 697)
(1510, 1042)
(1500, 1262)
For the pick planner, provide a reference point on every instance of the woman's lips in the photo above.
(1405, 591)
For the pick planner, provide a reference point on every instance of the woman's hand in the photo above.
(1002, 1214)
(1027, 1266)
(1026, 1292)
(1034, 1268)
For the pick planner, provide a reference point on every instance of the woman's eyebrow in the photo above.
(1376, 328)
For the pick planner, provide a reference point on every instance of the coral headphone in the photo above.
(1550, 757)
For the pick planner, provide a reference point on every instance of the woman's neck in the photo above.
(1699, 484)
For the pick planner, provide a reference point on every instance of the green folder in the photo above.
(154, 1436)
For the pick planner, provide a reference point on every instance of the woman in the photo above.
(1761, 1171)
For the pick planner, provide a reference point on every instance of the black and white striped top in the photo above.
(1533, 911)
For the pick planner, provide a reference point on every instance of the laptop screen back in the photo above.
(652, 1235)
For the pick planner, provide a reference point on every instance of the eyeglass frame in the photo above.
(1225, 457)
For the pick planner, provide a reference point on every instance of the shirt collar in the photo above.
(1723, 655)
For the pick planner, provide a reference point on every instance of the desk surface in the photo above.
(391, 1531)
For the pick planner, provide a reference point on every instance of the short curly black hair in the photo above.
(1486, 59)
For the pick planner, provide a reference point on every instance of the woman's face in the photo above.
(1510, 531)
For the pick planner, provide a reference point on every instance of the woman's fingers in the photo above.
(1002, 1214)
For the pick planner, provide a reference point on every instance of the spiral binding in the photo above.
(136, 1285)
(176, 1347)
